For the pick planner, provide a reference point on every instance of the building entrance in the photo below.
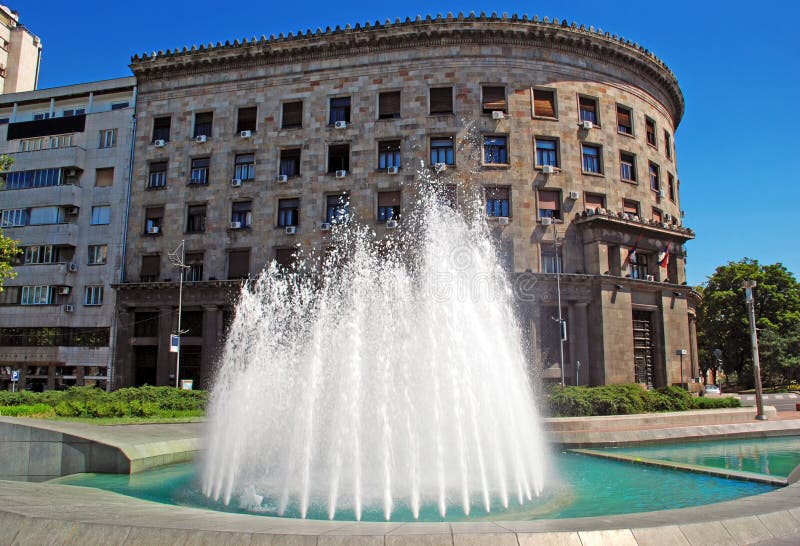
(643, 348)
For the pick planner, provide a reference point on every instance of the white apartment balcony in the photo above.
(54, 234)
(68, 157)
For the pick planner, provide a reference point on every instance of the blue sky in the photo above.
(737, 63)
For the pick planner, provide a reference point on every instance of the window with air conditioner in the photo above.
(388, 205)
(200, 170)
(290, 162)
(549, 204)
(442, 151)
(244, 167)
(338, 158)
(292, 115)
(242, 212)
(339, 110)
(588, 110)
(388, 154)
(493, 99)
(37, 295)
(246, 119)
(546, 152)
(288, 212)
(39, 216)
(161, 128)
(203, 123)
(154, 219)
(498, 201)
(285, 258)
(337, 208)
(552, 261)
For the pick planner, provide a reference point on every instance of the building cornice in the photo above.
(414, 34)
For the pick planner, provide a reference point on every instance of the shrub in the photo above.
(27, 410)
(715, 403)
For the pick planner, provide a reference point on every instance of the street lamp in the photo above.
(751, 314)
(562, 324)
(178, 259)
(681, 353)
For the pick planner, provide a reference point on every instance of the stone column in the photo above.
(693, 357)
(212, 342)
(122, 372)
(165, 367)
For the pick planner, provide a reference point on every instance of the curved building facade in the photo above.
(568, 130)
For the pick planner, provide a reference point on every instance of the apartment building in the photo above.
(20, 54)
(246, 149)
(64, 201)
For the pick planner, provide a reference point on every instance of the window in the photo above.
(338, 157)
(285, 257)
(495, 151)
(627, 166)
(546, 152)
(290, 162)
(288, 212)
(14, 218)
(588, 109)
(340, 110)
(337, 208)
(42, 254)
(196, 219)
(9, 296)
(388, 154)
(41, 115)
(93, 295)
(200, 170)
(388, 205)
(246, 119)
(36, 295)
(161, 128)
(667, 145)
(158, 175)
(639, 269)
(104, 177)
(203, 122)
(630, 207)
(292, 115)
(442, 151)
(497, 202)
(549, 204)
(244, 167)
(150, 271)
(624, 120)
(98, 254)
(441, 100)
(650, 131)
(657, 215)
(145, 324)
(595, 201)
(101, 215)
(655, 182)
(494, 99)
(108, 138)
(389, 105)
(119, 105)
(591, 159)
(242, 212)
(39, 178)
(77, 111)
(671, 187)
(40, 216)
(194, 267)
(238, 264)
(544, 103)
(551, 258)
(153, 220)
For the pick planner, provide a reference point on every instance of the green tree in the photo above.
(723, 323)
(8, 246)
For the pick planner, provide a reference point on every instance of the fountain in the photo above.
(379, 375)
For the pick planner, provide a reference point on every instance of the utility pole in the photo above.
(751, 315)
(178, 259)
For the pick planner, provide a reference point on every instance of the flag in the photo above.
(631, 258)
(663, 257)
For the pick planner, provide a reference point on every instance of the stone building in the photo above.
(573, 129)
(20, 54)
(64, 202)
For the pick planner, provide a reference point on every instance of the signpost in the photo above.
(681, 353)
(14, 380)
(751, 314)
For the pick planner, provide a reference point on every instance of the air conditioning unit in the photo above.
(152, 230)
(69, 308)
(64, 290)
(393, 170)
(498, 114)
(201, 138)
(246, 134)
(282, 178)
(391, 224)
(340, 124)
(160, 143)
(587, 125)
(548, 169)
(502, 220)
(662, 194)
(602, 211)
(439, 167)
(667, 217)
(341, 174)
(574, 195)
(650, 277)
(73, 211)
(547, 221)
(290, 230)
(236, 182)
(72, 267)
(236, 225)
(324, 226)
(635, 218)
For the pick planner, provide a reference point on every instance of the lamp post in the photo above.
(562, 324)
(751, 314)
(681, 353)
(178, 259)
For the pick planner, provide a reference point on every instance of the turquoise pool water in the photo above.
(771, 456)
(587, 486)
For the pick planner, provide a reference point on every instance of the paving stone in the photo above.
(747, 530)
(283, 540)
(711, 533)
(506, 539)
(419, 540)
(349, 540)
(669, 535)
(780, 523)
(617, 537)
(44, 532)
(144, 536)
(90, 534)
(548, 539)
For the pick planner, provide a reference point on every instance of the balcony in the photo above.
(55, 234)
(626, 222)
(68, 157)
(66, 195)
